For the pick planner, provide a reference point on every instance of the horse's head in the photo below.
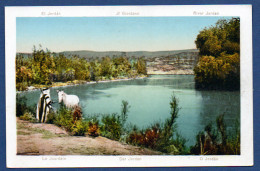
(60, 95)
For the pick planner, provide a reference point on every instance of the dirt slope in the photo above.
(48, 139)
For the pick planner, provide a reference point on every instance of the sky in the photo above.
(109, 33)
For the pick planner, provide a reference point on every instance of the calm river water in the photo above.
(149, 99)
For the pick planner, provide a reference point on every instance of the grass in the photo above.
(22, 129)
(23, 133)
(91, 151)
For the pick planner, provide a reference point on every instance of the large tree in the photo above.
(219, 50)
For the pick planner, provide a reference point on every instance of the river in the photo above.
(149, 99)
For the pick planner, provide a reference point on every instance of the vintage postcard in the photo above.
(129, 86)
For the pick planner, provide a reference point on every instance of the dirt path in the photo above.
(48, 139)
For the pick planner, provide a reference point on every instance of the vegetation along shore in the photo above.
(45, 68)
(216, 66)
(163, 137)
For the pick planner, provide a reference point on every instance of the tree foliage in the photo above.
(44, 67)
(219, 49)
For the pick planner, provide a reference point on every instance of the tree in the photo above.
(141, 66)
(219, 63)
(106, 67)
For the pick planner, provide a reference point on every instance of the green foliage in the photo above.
(166, 136)
(28, 116)
(79, 128)
(219, 64)
(21, 106)
(141, 66)
(45, 68)
(51, 117)
(106, 67)
(96, 70)
(111, 126)
(161, 136)
(214, 141)
(64, 118)
(124, 112)
(223, 37)
(71, 121)
(179, 145)
(218, 73)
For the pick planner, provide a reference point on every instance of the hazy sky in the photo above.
(109, 33)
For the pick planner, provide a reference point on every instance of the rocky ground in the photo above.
(48, 139)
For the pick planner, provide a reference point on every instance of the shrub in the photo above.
(77, 114)
(147, 138)
(166, 136)
(161, 136)
(21, 106)
(111, 127)
(64, 118)
(71, 120)
(51, 117)
(124, 112)
(93, 129)
(136, 137)
(28, 116)
(214, 141)
(79, 128)
(21, 86)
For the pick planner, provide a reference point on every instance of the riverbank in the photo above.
(77, 82)
(48, 139)
(172, 72)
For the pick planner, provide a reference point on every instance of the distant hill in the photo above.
(158, 62)
(146, 54)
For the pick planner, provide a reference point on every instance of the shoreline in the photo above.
(76, 82)
(82, 82)
(171, 72)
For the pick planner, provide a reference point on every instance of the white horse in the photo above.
(44, 105)
(70, 101)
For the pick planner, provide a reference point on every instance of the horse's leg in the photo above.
(41, 110)
(44, 111)
(38, 109)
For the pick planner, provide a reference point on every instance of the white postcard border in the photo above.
(243, 11)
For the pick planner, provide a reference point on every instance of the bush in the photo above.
(166, 136)
(214, 141)
(79, 128)
(124, 112)
(147, 138)
(28, 116)
(21, 106)
(64, 118)
(51, 117)
(111, 127)
(21, 86)
(71, 120)
(93, 128)
(77, 114)
(161, 136)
